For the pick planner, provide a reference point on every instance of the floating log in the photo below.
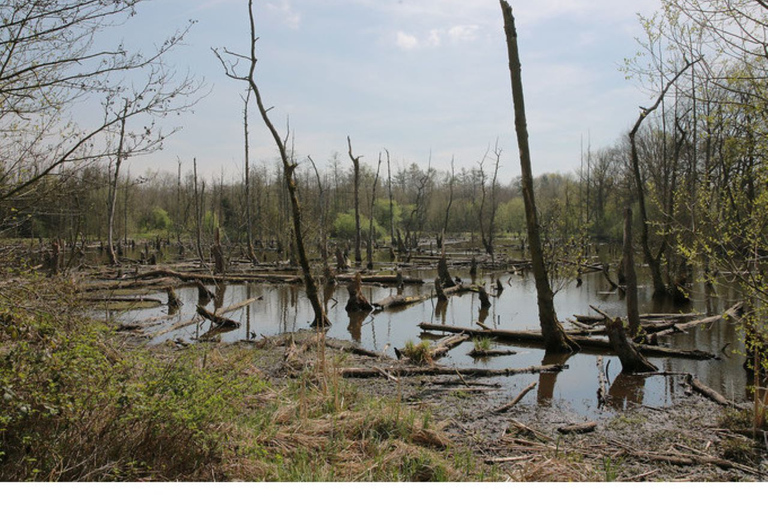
(733, 312)
(209, 279)
(123, 299)
(476, 353)
(381, 279)
(366, 373)
(535, 338)
(399, 300)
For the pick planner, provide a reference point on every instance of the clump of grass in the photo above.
(482, 343)
(419, 353)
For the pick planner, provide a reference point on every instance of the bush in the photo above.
(344, 227)
(76, 408)
(157, 219)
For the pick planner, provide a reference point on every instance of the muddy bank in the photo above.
(689, 441)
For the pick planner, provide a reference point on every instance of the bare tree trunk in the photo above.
(289, 166)
(199, 202)
(654, 263)
(391, 203)
(112, 193)
(441, 237)
(633, 313)
(370, 222)
(248, 218)
(554, 336)
(356, 180)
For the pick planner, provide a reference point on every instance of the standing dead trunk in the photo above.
(442, 272)
(370, 222)
(112, 192)
(289, 166)
(357, 301)
(219, 264)
(356, 181)
(632, 361)
(555, 338)
(630, 277)
(248, 217)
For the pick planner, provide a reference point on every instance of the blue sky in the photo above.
(412, 76)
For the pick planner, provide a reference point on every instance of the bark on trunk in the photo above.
(633, 312)
(632, 361)
(555, 338)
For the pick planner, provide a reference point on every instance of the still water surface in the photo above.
(284, 308)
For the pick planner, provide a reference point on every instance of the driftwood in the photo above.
(490, 353)
(382, 279)
(706, 391)
(578, 428)
(366, 373)
(446, 344)
(217, 319)
(733, 312)
(193, 320)
(399, 300)
(504, 408)
(535, 338)
(209, 279)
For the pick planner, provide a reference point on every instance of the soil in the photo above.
(684, 442)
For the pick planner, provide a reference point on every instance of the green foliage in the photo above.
(157, 220)
(482, 343)
(344, 227)
(210, 222)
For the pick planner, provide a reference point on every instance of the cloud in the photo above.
(285, 10)
(406, 41)
(463, 32)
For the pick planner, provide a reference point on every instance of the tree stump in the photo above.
(357, 301)
(632, 361)
(442, 272)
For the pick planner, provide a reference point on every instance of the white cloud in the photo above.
(463, 32)
(406, 41)
(434, 38)
(285, 10)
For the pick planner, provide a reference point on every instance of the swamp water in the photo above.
(284, 308)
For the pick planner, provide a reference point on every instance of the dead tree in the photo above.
(112, 191)
(357, 301)
(653, 262)
(370, 222)
(630, 277)
(632, 361)
(288, 163)
(555, 338)
(248, 216)
(441, 236)
(356, 181)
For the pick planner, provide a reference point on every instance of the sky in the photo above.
(425, 79)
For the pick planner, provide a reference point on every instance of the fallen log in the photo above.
(535, 338)
(578, 428)
(381, 279)
(209, 279)
(490, 353)
(123, 299)
(504, 408)
(706, 391)
(394, 301)
(366, 373)
(194, 320)
(214, 318)
(444, 345)
(733, 312)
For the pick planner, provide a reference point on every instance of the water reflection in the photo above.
(547, 380)
(627, 389)
(355, 327)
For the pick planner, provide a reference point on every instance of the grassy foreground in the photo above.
(79, 404)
